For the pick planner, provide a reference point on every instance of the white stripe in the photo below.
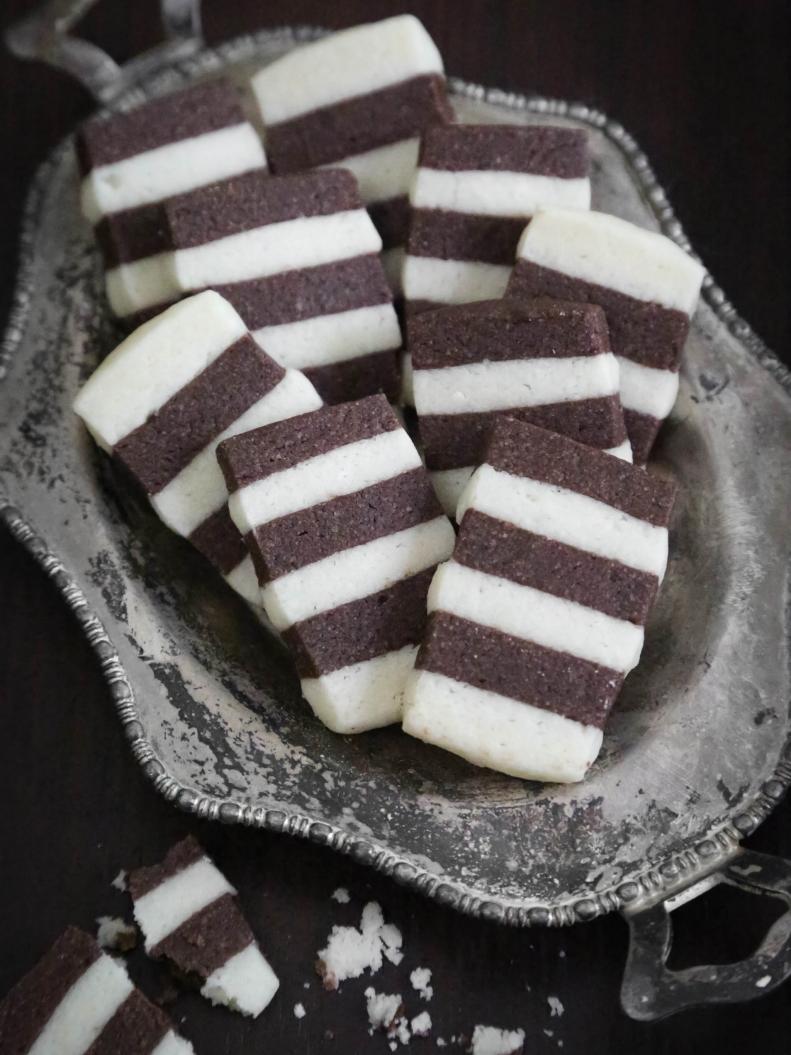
(327, 339)
(384, 172)
(646, 389)
(152, 364)
(244, 983)
(614, 253)
(622, 451)
(163, 909)
(340, 471)
(452, 281)
(141, 284)
(171, 169)
(537, 616)
(504, 385)
(358, 572)
(568, 517)
(449, 484)
(199, 489)
(393, 264)
(343, 65)
(497, 732)
(364, 695)
(85, 1010)
(308, 241)
(495, 193)
(173, 1044)
(244, 580)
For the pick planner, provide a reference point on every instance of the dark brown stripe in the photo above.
(308, 292)
(256, 199)
(135, 1029)
(301, 538)
(643, 430)
(168, 441)
(488, 659)
(208, 939)
(417, 307)
(502, 330)
(132, 234)
(353, 126)
(525, 450)
(498, 548)
(384, 622)
(181, 115)
(391, 219)
(543, 150)
(448, 235)
(364, 375)
(454, 440)
(218, 539)
(31, 1003)
(178, 857)
(253, 455)
(640, 330)
(131, 322)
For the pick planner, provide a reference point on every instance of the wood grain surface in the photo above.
(704, 89)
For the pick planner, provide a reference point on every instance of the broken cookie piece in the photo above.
(345, 531)
(546, 362)
(163, 400)
(358, 99)
(646, 284)
(539, 615)
(79, 1000)
(188, 914)
(297, 258)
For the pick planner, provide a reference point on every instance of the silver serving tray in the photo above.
(698, 749)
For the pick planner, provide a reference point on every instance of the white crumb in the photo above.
(383, 1008)
(488, 1040)
(548, 1032)
(306, 985)
(762, 983)
(115, 933)
(120, 881)
(393, 1045)
(420, 979)
(441, 1043)
(341, 895)
(299, 1011)
(421, 1024)
(556, 1008)
(351, 951)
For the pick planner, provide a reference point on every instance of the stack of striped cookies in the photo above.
(539, 358)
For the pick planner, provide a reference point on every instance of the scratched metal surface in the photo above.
(697, 750)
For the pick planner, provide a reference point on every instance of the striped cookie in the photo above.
(543, 361)
(77, 1000)
(539, 616)
(188, 914)
(163, 400)
(131, 162)
(297, 257)
(345, 531)
(361, 99)
(647, 286)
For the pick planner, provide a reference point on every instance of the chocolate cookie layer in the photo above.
(219, 541)
(460, 236)
(391, 219)
(357, 378)
(135, 1029)
(539, 149)
(208, 939)
(132, 234)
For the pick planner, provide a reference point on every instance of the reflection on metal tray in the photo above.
(697, 751)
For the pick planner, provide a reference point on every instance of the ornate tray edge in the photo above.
(678, 870)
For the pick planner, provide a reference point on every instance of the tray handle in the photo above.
(44, 36)
(650, 990)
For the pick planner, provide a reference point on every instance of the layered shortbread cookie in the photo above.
(539, 615)
(475, 188)
(188, 914)
(131, 162)
(77, 1000)
(345, 531)
(547, 362)
(163, 400)
(646, 284)
(360, 98)
(297, 257)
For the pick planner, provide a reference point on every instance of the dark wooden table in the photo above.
(704, 89)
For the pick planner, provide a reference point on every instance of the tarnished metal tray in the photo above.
(698, 749)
